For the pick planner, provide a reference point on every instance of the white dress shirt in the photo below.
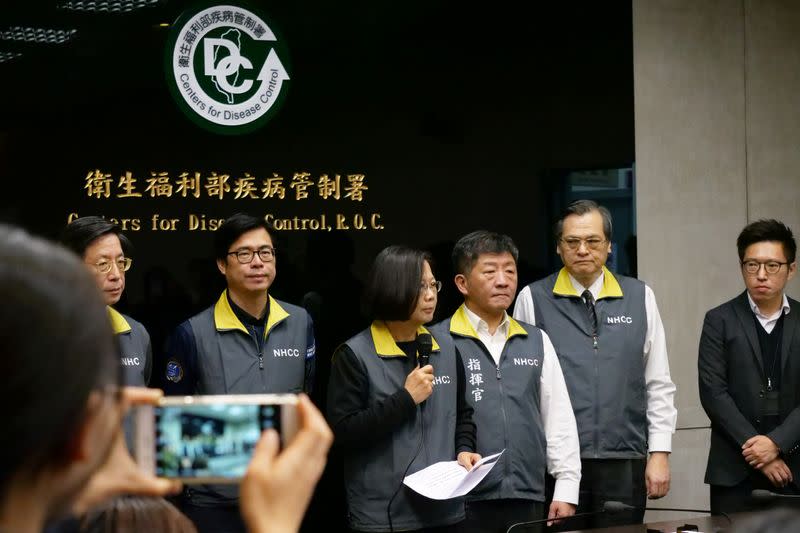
(558, 420)
(661, 413)
(768, 321)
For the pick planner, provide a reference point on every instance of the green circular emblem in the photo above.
(225, 69)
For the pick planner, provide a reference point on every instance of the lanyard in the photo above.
(778, 332)
(775, 357)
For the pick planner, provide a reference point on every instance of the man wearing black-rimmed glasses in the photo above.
(749, 374)
(607, 332)
(246, 343)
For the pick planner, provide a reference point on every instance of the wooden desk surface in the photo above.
(706, 524)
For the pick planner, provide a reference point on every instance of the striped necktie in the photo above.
(588, 300)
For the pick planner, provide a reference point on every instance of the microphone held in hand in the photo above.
(424, 348)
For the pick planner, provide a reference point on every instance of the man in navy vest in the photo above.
(516, 388)
(749, 373)
(610, 340)
(246, 343)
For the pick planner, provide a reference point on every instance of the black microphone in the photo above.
(619, 507)
(424, 348)
(762, 495)
(608, 507)
(615, 507)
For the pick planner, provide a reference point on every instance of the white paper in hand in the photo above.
(448, 479)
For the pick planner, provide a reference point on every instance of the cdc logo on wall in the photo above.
(225, 68)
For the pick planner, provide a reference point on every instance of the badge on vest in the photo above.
(475, 379)
(441, 380)
(174, 371)
(621, 319)
(526, 361)
(129, 361)
(286, 352)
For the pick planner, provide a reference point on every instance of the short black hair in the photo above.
(392, 287)
(581, 207)
(47, 379)
(234, 227)
(471, 246)
(79, 234)
(767, 230)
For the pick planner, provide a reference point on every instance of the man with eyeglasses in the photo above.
(608, 335)
(749, 375)
(248, 342)
(102, 246)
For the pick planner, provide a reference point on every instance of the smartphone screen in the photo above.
(209, 441)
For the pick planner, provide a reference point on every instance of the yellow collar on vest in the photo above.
(610, 289)
(385, 345)
(225, 319)
(460, 325)
(118, 322)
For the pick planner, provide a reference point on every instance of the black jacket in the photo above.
(732, 385)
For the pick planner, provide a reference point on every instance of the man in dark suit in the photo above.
(749, 374)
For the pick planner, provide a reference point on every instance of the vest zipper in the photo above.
(503, 410)
(422, 432)
(260, 365)
(258, 349)
(596, 395)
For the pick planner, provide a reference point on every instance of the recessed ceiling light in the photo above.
(8, 56)
(37, 35)
(106, 6)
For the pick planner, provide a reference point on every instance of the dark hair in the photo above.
(767, 230)
(79, 234)
(234, 227)
(392, 287)
(45, 285)
(136, 513)
(581, 207)
(471, 246)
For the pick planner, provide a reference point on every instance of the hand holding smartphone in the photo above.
(209, 439)
(278, 487)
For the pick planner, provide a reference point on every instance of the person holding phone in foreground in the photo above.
(68, 453)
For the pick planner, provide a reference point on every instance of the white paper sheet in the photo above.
(448, 479)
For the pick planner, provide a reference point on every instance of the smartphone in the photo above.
(208, 439)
